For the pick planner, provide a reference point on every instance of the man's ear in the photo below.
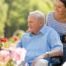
(41, 20)
(41, 24)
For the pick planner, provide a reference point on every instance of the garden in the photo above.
(13, 22)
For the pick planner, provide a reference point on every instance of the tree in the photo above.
(17, 16)
(18, 11)
(3, 10)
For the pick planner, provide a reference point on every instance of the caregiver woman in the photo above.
(57, 20)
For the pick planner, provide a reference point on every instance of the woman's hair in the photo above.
(64, 2)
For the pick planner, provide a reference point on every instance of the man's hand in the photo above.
(26, 64)
(39, 57)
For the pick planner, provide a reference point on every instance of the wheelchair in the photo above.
(59, 60)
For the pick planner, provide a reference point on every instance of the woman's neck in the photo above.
(60, 18)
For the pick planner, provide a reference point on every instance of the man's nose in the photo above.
(29, 24)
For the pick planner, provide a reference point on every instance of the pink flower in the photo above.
(1, 58)
(4, 56)
(7, 57)
(15, 55)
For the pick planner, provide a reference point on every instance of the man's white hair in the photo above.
(37, 14)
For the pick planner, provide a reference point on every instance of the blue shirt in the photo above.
(58, 26)
(44, 41)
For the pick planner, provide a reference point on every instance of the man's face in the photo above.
(34, 24)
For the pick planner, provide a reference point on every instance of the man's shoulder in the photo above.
(50, 28)
(52, 31)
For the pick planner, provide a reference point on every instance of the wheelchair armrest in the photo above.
(57, 60)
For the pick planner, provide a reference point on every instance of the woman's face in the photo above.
(59, 7)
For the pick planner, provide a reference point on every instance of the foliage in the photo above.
(43, 5)
(10, 63)
(14, 13)
(17, 16)
(3, 14)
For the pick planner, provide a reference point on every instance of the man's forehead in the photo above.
(33, 17)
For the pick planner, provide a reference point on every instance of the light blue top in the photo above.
(58, 26)
(45, 40)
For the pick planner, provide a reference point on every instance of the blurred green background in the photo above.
(13, 14)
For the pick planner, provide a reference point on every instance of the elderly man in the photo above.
(41, 41)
